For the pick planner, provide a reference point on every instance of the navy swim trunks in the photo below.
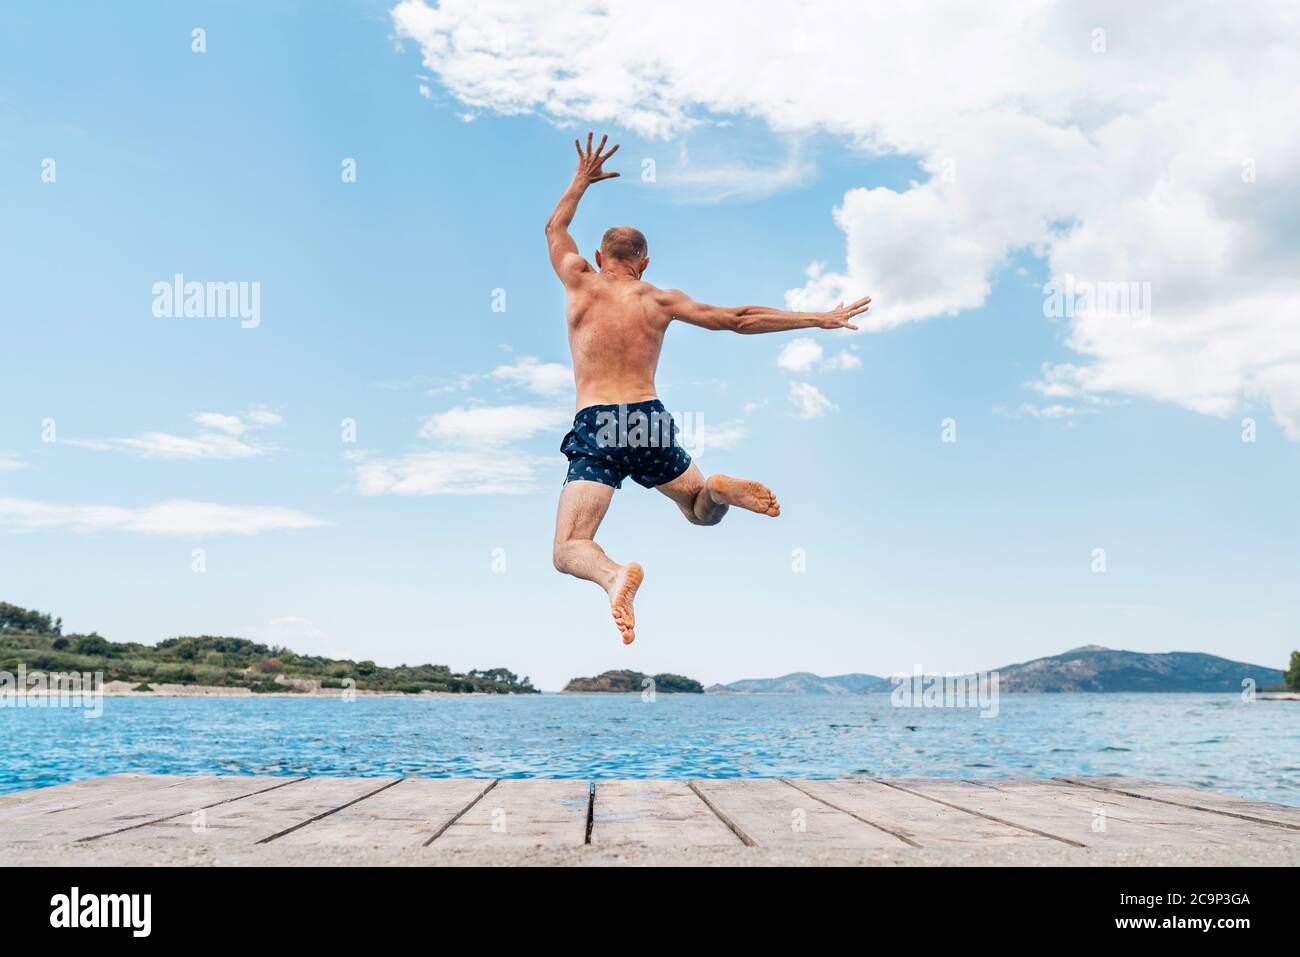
(608, 443)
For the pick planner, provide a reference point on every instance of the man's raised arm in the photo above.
(749, 320)
(564, 251)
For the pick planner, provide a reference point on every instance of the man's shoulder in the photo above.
(662, 297)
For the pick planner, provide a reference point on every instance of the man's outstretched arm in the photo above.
(749, 320)
(565, 259)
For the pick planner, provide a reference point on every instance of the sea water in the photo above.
(1215, 741)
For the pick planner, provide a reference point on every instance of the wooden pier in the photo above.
(150, 819)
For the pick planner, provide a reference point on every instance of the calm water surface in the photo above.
(1203, 740)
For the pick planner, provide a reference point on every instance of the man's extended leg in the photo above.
(704, 501)
(582, 506)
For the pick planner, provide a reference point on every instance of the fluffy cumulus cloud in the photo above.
(177, 517)
(1122, 143)
(805, 354)
(800, 355)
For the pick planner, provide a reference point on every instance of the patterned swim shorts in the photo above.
(608, 443)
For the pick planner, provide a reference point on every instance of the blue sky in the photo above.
(376, 306)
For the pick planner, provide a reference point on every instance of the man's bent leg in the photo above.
(582, 506)
(704, 501)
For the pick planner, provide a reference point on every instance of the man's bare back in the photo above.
(616, 330)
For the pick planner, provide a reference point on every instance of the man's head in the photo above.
(623, 246)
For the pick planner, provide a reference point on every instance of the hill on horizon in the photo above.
(37, 642)
(1088, 668)
(804, 682)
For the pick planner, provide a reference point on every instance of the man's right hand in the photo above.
(590, 162)
(838, 318)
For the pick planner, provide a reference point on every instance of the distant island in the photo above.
(235, 665)
(1090, 668)
(804, 682)
(626, 682)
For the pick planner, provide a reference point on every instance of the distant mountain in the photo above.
(626, 682)
(804, 682)
(1090, 668)
(1094, 668)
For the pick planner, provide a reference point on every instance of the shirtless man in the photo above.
(616, 328)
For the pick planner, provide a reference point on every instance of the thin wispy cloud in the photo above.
(478, 445)
(448, 472)
(714, 183)
(11, 463)
(540, 378)
(220, 436)
(808, 401)
(493, 425)
(174, 517)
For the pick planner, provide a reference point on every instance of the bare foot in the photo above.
(621, 595)
(743, 494)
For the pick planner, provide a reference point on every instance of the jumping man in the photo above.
(616, 328)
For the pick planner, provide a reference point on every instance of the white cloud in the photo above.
(1056, 411)
(726, 435)
(731, 180)
(176, 517)
(11, 463)
(802, 355)
(493, 425)
(844, 362)
(799, 355)
(478, 445)
(262, 417)
(1157, 156)
(808, 401)
(230, 424)
(542, 378)
(442, 472)
(223, 438)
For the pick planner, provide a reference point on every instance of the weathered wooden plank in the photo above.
(914, 819)
(657, 814)
(774, 813)
(406, 815)
(138, 801)
(1276, 814)
(258, 817)
(522, 813)
(76, 793)
(1088, 818)
(1121, 820)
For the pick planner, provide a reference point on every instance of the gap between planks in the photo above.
(1128, 792)
(204, 807)
(989, 817)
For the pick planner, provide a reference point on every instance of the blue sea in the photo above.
(1212, 741)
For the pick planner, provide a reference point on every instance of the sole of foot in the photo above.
(743, 493)
(621, 596)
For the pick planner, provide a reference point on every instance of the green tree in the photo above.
(1292, 676)
(92, 645)
(13, 618)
